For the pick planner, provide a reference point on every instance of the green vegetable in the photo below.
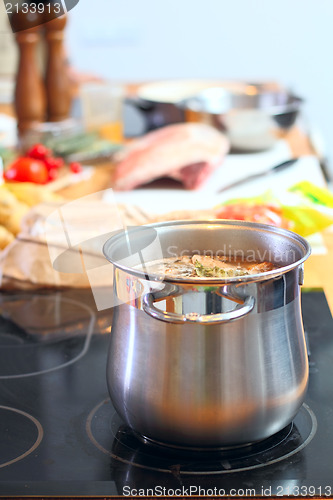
(63, 146)
(8, 155)
(217, 272)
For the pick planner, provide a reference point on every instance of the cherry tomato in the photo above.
(75, 167)
(39, 152)
(52, 174)
(52, 162)
(27, 170)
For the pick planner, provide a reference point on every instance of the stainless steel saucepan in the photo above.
(207, 362)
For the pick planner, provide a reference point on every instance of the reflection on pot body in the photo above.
(209, 385)
(193, 382)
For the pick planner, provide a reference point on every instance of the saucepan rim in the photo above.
(121, 238)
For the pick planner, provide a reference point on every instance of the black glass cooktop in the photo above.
(60, 435)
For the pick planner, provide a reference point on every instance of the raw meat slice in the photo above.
(188, 152)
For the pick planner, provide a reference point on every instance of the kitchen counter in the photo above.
(319, 269)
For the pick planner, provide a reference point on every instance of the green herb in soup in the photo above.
(204, 266)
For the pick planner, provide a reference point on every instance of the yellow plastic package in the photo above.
(308, 207)
(303, 208)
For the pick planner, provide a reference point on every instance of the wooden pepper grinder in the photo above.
(30, 98)
(57, 79)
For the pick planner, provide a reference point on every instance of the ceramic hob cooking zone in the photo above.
(60, 435)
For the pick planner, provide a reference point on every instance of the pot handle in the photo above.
(243, 308)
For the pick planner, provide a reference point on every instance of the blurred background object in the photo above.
(102, 109)
(288, 42)
(57, 79)
(253, 115)
(29, 80)
(111, 43)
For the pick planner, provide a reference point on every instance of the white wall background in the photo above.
(290, 41)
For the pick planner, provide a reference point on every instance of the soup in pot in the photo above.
(203, 266)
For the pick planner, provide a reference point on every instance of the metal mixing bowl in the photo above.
(253, 116)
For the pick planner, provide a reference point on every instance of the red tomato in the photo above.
(39, 152)
(53, 163)
(266, 213)
(75, 167)
(53, 174)
(27, 170)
